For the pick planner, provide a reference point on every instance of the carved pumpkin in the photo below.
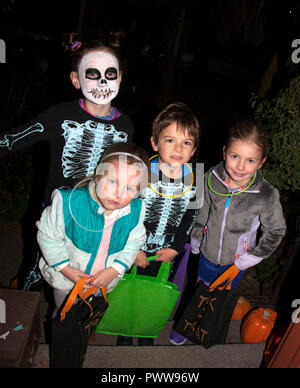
(241, 308)
(258, 325)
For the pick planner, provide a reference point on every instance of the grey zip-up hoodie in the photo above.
(226, 227)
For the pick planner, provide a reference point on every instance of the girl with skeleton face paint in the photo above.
(77, 132)
(99, 78)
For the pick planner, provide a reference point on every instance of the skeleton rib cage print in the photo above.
(71, 141)
(85, 143)
(165, 214)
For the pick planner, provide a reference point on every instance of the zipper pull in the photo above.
(227, 202)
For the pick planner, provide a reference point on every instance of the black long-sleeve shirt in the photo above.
(76, 141)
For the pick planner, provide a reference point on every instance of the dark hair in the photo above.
(178, 113)
(82, 48)
(249, 130)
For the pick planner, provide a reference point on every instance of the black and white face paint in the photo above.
(99, 77)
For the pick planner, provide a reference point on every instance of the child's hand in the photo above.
(166, 254)
(141, 260)
(104, 277)
(74, 274)
(195, 246)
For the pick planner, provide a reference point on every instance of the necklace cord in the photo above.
(177, 195)
(230, 194)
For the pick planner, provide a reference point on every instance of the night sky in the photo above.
(209, 54)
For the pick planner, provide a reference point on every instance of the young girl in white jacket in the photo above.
(96, 230)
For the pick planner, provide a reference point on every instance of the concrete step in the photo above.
(234, 354)
(163, 340)
(233, 336)
(187, 356)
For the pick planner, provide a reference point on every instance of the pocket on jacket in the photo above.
(242, 245)
(205, 233)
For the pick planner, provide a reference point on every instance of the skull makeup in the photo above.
(99, 77)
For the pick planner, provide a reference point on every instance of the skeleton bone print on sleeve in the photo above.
(85, 143)
(10, 139)
(165, 211)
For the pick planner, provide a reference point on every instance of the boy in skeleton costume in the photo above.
(77, 132)
(174, 195)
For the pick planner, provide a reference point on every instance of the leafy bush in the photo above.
(266, 268)
(280, 116)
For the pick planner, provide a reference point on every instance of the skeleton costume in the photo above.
(172, 206)
(76, 139)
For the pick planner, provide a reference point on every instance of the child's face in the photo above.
(118, 185)
(175, 146)
(99, 77)
(242, 158)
